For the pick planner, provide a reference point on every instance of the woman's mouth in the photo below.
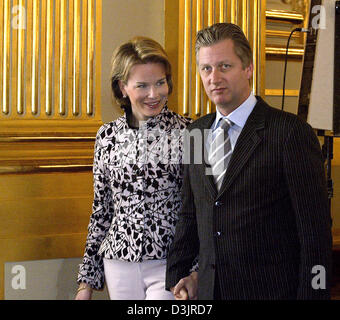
(152, 105)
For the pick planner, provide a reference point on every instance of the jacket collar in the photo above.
(247, 143)
(151, 122)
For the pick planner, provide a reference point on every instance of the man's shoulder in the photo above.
(202, 122)
(276, 115)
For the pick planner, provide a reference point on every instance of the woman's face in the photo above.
(147, 89)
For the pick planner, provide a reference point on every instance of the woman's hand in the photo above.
(84, 292)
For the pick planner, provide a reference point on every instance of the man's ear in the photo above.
(250, 70)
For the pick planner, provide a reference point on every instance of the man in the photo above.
(261, 226)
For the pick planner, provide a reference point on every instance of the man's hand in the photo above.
(186, 288)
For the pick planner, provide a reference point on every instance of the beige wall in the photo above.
(44, 280)
(122, 20)
(274, 80)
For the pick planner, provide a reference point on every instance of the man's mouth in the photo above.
(218, 90)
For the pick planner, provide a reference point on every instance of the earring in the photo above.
(124, 96)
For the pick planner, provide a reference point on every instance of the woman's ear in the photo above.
(122, 87)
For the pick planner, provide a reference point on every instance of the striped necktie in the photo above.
(220, 151)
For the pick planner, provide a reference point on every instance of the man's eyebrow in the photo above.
(217, 64)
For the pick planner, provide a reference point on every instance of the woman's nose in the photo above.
(153, 92)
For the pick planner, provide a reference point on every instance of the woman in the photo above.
(136, 187)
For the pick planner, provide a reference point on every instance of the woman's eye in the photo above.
(160, 83)
(141, 85)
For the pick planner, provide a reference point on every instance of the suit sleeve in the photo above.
(185, 246)
(305, 177)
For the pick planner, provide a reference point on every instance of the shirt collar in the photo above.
(240, 115)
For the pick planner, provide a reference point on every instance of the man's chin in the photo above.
(221, 102)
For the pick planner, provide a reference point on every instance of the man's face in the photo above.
(225, 80)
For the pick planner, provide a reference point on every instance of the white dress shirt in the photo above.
(239, 117)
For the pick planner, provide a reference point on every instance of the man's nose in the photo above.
(215, 76)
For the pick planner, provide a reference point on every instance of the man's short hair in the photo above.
(222, 31)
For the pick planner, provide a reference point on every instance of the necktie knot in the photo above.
(226, 124)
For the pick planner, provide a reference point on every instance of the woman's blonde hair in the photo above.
(139, 50)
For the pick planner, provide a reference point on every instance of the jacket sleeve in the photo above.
(91, 270)
(305, 177)
(185, 246)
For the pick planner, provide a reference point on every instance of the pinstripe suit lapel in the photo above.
(204, 166)
(246, 144)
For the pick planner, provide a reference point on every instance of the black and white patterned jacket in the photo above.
(137, 182)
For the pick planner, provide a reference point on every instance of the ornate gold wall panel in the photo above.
(278, 92)
(281, 19)
(280, 51)
(197, 14)
(279, 25)
(283, 15)
(50, 74)
(50, 65)
(49, 79)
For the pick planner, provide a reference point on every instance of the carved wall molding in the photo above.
(50, 77)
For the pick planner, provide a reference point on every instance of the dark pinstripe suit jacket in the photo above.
(268, 225)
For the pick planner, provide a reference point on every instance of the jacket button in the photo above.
(218, 234)
(218, 204)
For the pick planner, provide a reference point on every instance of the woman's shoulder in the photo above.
(179, 120)
(109, 129)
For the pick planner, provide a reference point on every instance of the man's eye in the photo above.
(226, 66)
(205, 68)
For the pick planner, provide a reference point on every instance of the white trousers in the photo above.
(136, 280)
